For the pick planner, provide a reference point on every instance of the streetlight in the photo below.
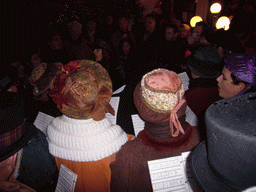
(215, 8)
(223, 22)
(195, 20)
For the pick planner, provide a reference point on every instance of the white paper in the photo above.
(191, 118)
(138, 124)
(66, 180)
(42, 121)
(172, 174)
(114, 102)
(185, 80)
(119, 90)
(168, 174)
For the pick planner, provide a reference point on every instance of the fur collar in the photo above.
(170, 145)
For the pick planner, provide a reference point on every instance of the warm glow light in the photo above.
(195, 20)
(223, 22)
(215, 8)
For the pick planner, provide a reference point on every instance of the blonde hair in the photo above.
(186, 27)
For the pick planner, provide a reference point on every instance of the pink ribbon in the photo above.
(174, 120)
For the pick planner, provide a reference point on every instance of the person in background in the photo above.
(238, 75)
(205, 66)
(53, 51)
(150, 26)
(160, 103)
(82, 138)
(122, 33)
(126, 48)
(225, 42)
(146, 57)
(102, 52)
(25, 161)
(185, 31)
(195, 37)
(76, 45)
(35, 58)
(92, 30)
(108, 28)
(172, 50)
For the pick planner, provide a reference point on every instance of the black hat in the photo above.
(205, 62)
(101, 44)
(226, 161)
(14, 132)
(227, 40)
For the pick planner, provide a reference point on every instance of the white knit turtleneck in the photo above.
(84, 140)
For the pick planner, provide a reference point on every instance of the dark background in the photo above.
(24, 22)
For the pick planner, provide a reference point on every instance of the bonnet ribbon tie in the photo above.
(174, 120)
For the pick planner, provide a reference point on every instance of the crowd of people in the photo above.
(72, 77)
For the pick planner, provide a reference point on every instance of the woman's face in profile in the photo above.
(98, 54)
(226, 86)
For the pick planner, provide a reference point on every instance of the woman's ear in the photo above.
(240, 87)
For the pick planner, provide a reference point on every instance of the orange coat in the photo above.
(93, 175)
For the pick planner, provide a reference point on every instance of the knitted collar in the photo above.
(84, 140)
(170, 145)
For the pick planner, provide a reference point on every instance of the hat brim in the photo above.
(202, 172)
(10, 150)
(195, 68)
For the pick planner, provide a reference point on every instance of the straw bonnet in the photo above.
(159, 99)
(83, 90)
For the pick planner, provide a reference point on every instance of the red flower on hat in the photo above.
(70, 68)
(56, 94)
(58, 98)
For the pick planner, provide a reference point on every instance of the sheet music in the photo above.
(119, 90)
(173, 174)
(138, 124)
(114, 102)
(42, 121)
(66, 180)
(168, 174)
(185, 80)
(191, 118)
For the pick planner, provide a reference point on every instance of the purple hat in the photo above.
(243, 67)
